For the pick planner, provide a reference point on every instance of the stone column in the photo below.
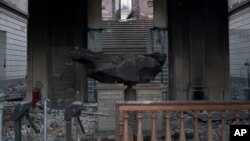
(152, 92)
(107, 95)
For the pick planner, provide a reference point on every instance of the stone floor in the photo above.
(56, 125)
(55, 122)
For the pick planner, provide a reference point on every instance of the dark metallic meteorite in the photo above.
(120, 68)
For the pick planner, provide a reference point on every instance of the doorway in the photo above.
(128, 27)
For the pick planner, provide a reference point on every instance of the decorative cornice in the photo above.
(13, 15)
(15, 10)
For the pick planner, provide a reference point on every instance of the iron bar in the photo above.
(31, 123)
(1, 119)
(80, 124)
(45, 120)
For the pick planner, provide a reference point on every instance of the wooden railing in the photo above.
(123, 110)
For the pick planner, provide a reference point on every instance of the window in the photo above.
(125, 10)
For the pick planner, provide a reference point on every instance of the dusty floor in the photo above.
(55, 122)
(56, 125)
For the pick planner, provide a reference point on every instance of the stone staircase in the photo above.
(130, 37)
(122, 37)
(134, 37)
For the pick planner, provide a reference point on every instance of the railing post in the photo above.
(196, 127)
(237, 118)
(126, 127)
(168, 107)
(223, 128)
(121, 128)
(139, 127)
(182, 127)
(209, 126)
(154, 132)
(131, 138)
(168, 129)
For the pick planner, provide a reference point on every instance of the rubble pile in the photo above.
(56, 130)
(56, 124)
(202, 124)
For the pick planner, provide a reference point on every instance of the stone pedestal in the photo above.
(152, 92)
(107, 95)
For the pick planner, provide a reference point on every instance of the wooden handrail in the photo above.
(176, 107)
(181, 106)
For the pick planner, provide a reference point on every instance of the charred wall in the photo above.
(198, 49)
(56, 28)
